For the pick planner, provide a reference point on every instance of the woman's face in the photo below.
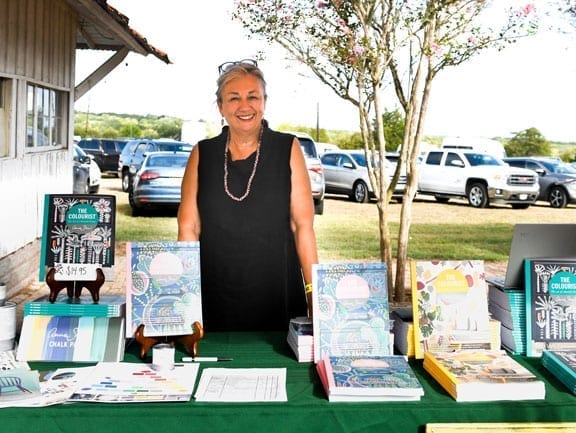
(243, 103)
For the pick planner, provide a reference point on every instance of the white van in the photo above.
(478, 144)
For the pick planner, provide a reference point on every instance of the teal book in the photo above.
(107, 306)
(550, 304)
(78, 233)
(351, 310)
(562, 364)
(374, 378)
(71, 338)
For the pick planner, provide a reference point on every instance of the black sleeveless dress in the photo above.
(251, 276)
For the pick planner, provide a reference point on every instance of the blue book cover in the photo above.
(351, 310)
(163, 290)
(107, 306)
(550, 304)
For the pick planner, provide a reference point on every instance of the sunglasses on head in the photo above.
(226, 66)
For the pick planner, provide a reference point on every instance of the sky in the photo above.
(496, 94)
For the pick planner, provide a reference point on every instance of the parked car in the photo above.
(157, 184)
(134, 152)
(106, 152)
(315, 170)
(87, 174)
(346, 172)
(557, 179)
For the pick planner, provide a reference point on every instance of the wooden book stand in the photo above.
(74, 288)
(190, 341)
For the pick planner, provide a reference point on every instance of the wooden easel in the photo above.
(74, 287)
(190, 341)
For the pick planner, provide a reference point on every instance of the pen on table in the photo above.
(205, 359)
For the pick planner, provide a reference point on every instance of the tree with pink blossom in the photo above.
(360, 48)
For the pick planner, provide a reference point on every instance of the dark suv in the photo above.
(106, 152)
(557, 179)
(133, 154)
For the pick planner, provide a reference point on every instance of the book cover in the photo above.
(107, 306)
(562, 364)
(550, 304)
(483, 375)
(403, 330)
(375, 378)
(502, 427)
(18, 385)
(71, 338)
(351, 310)
(450, 305)
(78, 236)
(163, 290)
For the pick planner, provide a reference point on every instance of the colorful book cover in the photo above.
(483, 375)
(71, 338)
(78, 236)
(163, 290)
(384, 377)
(450, 306)
(550, 304)
(18, 385)
(351, 310)
(107, 306)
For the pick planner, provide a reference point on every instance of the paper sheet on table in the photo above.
(242, 385)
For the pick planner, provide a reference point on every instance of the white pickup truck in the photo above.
(479, 177)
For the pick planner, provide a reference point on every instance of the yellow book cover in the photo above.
(502, 427)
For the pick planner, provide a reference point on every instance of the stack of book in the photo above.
(562, 364)
(300, 338)
(73, 329)
(550, 304)
(509, 307)
(353, 344)
(452, 330)
(483, 375)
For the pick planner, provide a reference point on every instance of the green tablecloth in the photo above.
(307, 409)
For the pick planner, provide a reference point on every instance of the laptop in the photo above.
(535, 240)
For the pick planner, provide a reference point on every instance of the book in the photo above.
(71, 338)
(403, 330)
(375, 378)
(509, 307)
(78, 233)
(300, 338)
(18, 385)
(502, 427)
(550, 304)
(350, 309)
(107, 306)
(562, 364)
(163, 290)
(483, 375)
(450, 305)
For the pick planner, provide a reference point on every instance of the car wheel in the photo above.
(478, 195)
(360, 192)
(319, 206)
(126, 181)
(558, 197)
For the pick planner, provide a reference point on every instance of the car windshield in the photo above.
(476, 159)
(360, 158)
(559, 167)
(173, 161)
(175, 146)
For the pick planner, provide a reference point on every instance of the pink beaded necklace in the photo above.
(250, 179)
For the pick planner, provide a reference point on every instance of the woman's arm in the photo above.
(188, 215)
(302, 216)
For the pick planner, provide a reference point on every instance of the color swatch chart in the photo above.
(118, 382)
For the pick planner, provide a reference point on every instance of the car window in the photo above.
(434, 158)
(330, 159)
(516, 163)
(308, 147)
(481, 159)
(533, 166)
(88, 144)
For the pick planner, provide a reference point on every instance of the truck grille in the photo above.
(522, 179)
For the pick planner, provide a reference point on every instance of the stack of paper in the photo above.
(375, 378)
(483, 375)
(562, 364)
(300, 338)
(509, 307)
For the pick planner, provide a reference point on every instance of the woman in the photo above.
(246, 197)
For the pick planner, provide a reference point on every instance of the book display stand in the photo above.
(74, 287)
(190, 341)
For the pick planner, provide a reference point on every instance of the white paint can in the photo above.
(2, 294)
(162, 357)
(7, 326)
